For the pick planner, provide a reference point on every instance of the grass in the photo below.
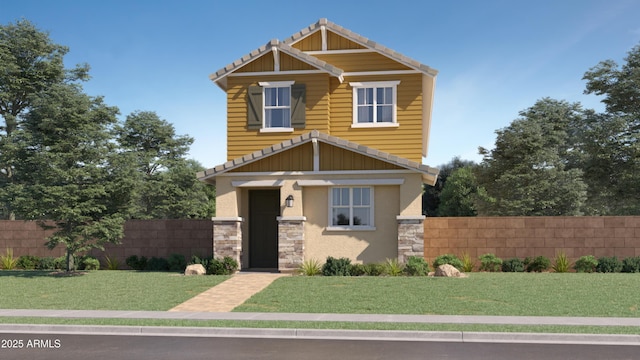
(500, 294)
(100, 290)
(523, 294)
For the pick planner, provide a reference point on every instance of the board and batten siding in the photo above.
(242, 141)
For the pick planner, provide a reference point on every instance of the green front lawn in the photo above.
(515, 294)
(100, 290)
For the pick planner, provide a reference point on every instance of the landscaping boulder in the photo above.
(195, 269)
(448, 270)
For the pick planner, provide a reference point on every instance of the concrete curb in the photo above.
(309, 334)
(382, 318)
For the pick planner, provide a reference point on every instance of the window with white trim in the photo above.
(351, 207)
(374, 103)
(277, 104)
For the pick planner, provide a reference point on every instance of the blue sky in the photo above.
(495, 58)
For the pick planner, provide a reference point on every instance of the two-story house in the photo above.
(326, 131)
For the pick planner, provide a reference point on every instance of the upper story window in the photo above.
(351, 207)
(276, 106)
(374, 103)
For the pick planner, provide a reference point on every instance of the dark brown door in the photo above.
(264, 208)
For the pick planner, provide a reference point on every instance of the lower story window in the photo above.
(351, 206)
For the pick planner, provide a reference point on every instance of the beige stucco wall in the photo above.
(359, 246)
(312, 202)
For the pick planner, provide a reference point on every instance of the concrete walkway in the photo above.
(225, 296)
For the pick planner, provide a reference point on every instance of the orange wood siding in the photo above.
(241, 141)
(368, 61)
(312, 42)
(337, 42)
(299, 158)
(333, 158)
(288, 62)
(263, 63)
(404, 140)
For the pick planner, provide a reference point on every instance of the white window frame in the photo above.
(375, 85)
(371, 207)
(274, 84)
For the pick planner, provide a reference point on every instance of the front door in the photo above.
(264, 208)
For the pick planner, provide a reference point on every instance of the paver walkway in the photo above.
(230, 293)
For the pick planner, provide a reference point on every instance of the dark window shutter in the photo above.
(254, 107)
(298, 104)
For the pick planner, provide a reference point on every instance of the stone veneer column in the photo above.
(410, 237)
(290, 242)
(227, 238)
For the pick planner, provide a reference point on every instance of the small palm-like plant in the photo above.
(393, 268)
(561, 263)
(7, 261)
(111, 262)
(467, 262)
(310, 267)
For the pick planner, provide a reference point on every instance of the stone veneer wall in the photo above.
(290, 243)
(410, 237)
(227, 238)
(522, 237)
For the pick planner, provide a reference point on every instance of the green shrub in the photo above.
(27, 262)
(512, 265)
(204, 261)
(609, 265)
(448, 259)
(177, 262)
(157, 264)
(88, 263)
(374, 269)
(416, 266)
(631, 265)
(225, 266)
(467, 262)
(561, 263)
(136, 263)
(539, 264)
(586, 264)
(310, 267)
(336, 267)
(46, 263)
(393, 268)
(60, 263)
(358, 269)
(490, 262)
(7, 261)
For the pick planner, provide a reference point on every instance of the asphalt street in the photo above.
(97, 347)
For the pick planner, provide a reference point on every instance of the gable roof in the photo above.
(429, 174)
(361, 40)
(274, 45)
(219, 77)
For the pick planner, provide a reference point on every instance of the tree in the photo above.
(431, 194)
(30, 63)
(167, 187)
(527, 173)
(611, 143)
(70, 165)
(458, 196)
